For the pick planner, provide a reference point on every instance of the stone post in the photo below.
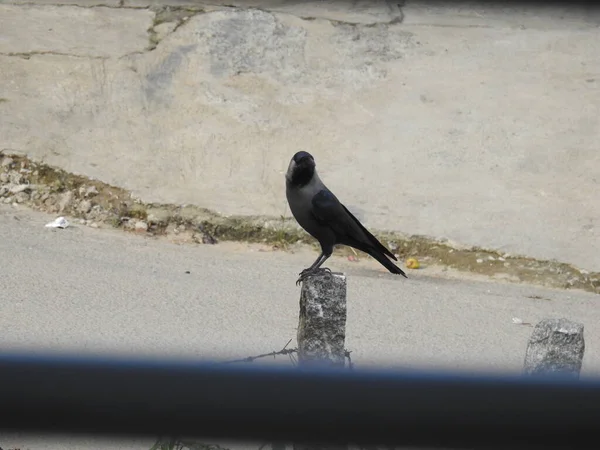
(556, 347)
(322, 329)
(322, 321)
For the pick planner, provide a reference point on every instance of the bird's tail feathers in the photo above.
(374, 241)
(385, 262)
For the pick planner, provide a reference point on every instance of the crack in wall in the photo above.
(399, 18)
(395, 8)
(73, 5)
(27, 55)
(399, 15)
(180, 14)
(169, 14)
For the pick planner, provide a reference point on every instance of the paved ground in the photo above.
(109, 291)
(477, 124)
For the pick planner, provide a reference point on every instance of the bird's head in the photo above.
(301, 169)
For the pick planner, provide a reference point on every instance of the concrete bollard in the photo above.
(556, 347)
(322, 322)
(322, 329)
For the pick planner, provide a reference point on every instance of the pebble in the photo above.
(479, 261)
(93, 225)
(91, 191)
(6, 162)
(85, 206)
(15, 177)
(4, 177)
(65, 200)
(208, 239)
(158, 219)
(21, 197)
(19, 188)
(141, 226)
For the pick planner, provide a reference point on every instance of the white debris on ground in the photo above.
(59, 222)
(19, 185)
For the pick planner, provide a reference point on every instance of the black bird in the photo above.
(322, 215)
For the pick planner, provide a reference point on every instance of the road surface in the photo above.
(100, 290)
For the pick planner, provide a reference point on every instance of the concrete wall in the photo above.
(477, 124)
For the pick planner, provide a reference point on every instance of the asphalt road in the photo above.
(101, 291)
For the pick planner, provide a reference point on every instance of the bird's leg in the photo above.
(316, 266)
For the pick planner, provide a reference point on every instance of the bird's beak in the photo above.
(290, 169)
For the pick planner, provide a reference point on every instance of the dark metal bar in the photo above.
(142, 397)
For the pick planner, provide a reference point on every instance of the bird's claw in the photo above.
(306, 272)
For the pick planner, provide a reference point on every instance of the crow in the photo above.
(320, 213)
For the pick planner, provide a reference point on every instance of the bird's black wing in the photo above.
(329, 211)
(378, 245)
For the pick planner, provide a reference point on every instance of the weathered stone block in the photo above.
(322, 322)
(556, 347)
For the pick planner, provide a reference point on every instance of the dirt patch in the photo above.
(96, 204)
